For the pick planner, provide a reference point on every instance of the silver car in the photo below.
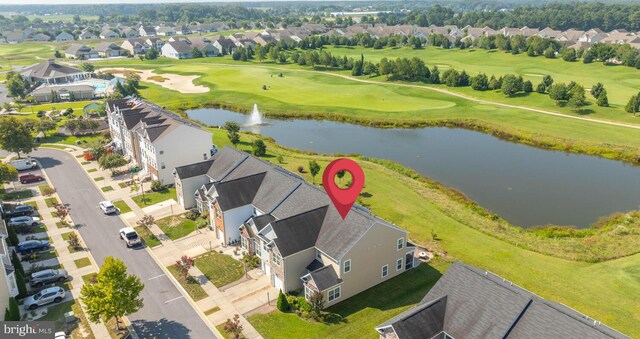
(47, 276)
(24, 220)
(107, 207)
(46, 296)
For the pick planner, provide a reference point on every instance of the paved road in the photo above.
(166, 314)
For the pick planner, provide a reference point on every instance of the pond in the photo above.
(525, 185)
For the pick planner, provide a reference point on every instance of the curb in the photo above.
(184, 293)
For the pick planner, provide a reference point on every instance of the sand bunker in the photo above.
(176, 82)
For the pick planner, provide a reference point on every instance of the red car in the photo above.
(27, 178)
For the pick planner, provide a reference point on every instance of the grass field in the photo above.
(219, 268)
(318, 95)
(152, 198)
(176, 227)
(605, 290)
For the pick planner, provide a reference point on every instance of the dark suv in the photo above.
(19, 211)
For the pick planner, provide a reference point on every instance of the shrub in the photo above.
(22, 285)
(74, 241)
(301, 169)
(15, 261)
(13, 237)
(291, 299)
(303, 305)
(13, 312)
(283, 304)
(157, 186)
(280, 159)
(192, 214)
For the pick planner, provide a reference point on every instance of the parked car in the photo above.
(30, 246)
(130, 237)
(60, 335)
(46, 296)
(107, 207)
(47, 276)
(24, 220)
(24, 164)
(28, 178)
(19, 210)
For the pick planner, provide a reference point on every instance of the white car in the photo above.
(107, 207)
(24, 220)
(130, 237)
(45, 296)
(60, 335)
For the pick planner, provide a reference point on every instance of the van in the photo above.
(24, 164)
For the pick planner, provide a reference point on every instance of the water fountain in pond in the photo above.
(255, 118)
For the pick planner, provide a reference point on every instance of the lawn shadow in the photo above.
(404, 290)
(162, 328)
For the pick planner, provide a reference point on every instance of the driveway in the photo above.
(166, 314)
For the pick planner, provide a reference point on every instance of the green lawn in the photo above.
(149, 238)
(91, 170)
(177, 226)
(51, 202)
(89, 277)
(212, 310)
(122, 206)
(65, 236)
(356, 317)
(106, 188)
(42, 187)
(220, 268)
(191, 286)
(152, 198)
(82, 262)
(122, 185)
(16, 195)
(32, 203)
(98, 179)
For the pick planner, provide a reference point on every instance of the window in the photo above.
(218, 213)
(277, 259)
(334, 294)
(399, 264)
(400, 243)
(385, 270)
(307, 292)
(162, 166)
(161, 152)
(204, 155)
(347, 266)
(244, 243)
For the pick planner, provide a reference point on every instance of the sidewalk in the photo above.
(64, 256)
(192, 245)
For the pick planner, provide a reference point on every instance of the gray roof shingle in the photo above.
(480, 304)
(192, 170)
(325, 277)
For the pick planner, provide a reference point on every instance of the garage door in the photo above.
(277, 283)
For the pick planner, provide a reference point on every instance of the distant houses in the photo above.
(79, 51)
(64, 36)
(177, 50)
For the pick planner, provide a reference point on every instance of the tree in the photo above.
(602, 100)
(133, 78)
(62, 212)
(87, 67)
(547, 80)
(146, 221)
(13, 312)
(184, 265)
(596, 89)
(558, 92)
(314, 169)
(15, 84)
(509, 85)
(111, 161)
(22, 285)
(549, 52)
(435, 75)
(74, 241)
(15, 136)
(632, 105)
(233, 327)
(8, 173)
(527, 86)
(45, 125)
(195, 53)
(577, 98)
(316, 300)
(480, 82)
(151, 54)
(282, 303)
(569, 54)
(233, 130)
(114, 294)
(259, 148)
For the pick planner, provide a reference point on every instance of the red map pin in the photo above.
(343, 199)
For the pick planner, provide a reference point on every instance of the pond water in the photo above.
(525, 185)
